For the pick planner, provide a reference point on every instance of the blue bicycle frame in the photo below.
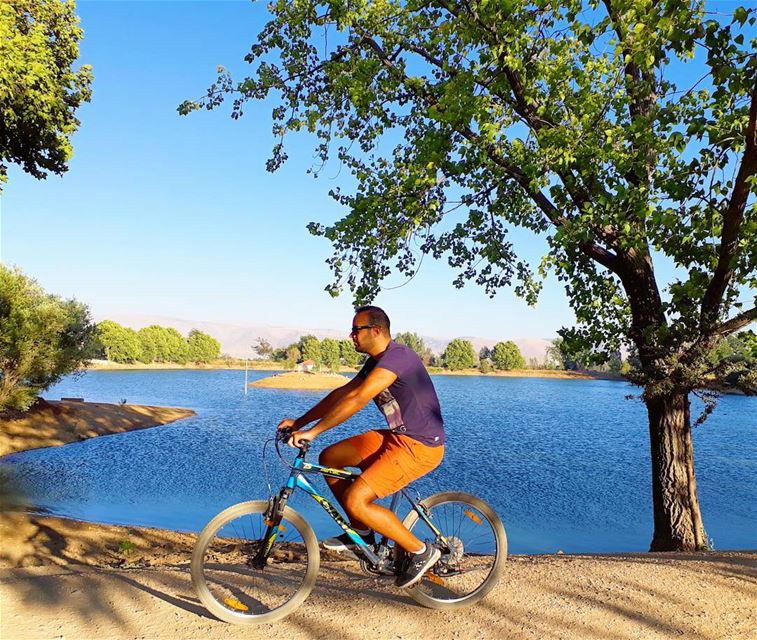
(297, 480)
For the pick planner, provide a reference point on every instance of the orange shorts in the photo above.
(391, 461)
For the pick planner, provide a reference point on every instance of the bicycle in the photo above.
(257, 561)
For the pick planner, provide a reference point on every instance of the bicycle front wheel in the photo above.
(230, 586)
(475, 552)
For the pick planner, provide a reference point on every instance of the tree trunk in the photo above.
(677, 517)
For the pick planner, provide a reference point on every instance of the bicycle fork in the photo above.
(272, 518)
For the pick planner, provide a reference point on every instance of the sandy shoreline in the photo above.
(54, 423)
(171, 366)
(557, 374)
(62, 578)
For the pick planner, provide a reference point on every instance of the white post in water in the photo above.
(245, 376)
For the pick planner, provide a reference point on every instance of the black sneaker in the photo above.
(417, 565)
(345, 543)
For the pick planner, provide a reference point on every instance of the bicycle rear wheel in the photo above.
(473, 561)
(230, 586)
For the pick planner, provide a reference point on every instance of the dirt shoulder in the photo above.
(85, 587)
(51, 424)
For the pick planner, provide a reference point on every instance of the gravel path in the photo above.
(703, 596)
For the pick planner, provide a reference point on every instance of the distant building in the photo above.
(306, 366)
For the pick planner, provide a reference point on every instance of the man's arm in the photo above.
(354, 400)
(327, 403)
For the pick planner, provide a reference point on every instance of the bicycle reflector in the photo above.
(432, 577)
(233, 603)
(472, 516)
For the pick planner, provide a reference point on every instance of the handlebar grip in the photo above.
(283, 435)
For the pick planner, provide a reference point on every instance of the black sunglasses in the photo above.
(362, 326)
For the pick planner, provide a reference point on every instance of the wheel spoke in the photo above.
(228, 582)
(476, 545)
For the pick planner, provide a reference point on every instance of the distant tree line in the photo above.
(117, 343)
(332, 354)
(460, 354)
(328, 353)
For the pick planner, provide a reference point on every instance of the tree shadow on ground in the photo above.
(587, 597)
(632, 606)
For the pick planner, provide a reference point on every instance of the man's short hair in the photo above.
(376, 316)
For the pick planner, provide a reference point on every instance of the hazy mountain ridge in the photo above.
(237, 340)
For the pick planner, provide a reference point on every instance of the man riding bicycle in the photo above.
(393, 377)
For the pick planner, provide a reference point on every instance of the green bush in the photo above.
(126, 546)
(350, 357)
(506, 355)
(459, 354)
(330, 353)
(202, 347)
(42, 338)
(415, 342)
(118, 343)
(310, 348)
(292, 356)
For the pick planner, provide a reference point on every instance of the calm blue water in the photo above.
(564, 462)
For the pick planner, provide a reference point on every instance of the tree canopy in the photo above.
(154, 344)
(118, 343)
(201, 347)
(459, 354)
(310, 349)
(331, 354)
(415, 342)
(39, 89)
(623, 131)
(506, 355)
(564, 118)
(350, 357)
(42, 338)
(263, 348)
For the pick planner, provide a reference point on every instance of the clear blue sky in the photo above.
(167, 215)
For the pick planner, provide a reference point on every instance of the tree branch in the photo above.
(733, 218)
(591, 249)
(528, 111)
(737, 322)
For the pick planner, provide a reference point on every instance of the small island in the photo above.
(302, 380)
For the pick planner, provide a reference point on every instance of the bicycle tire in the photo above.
(423, 592)
(210, 543)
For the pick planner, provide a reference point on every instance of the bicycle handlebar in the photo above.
(283, 435)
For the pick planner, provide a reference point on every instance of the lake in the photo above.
(564, 462)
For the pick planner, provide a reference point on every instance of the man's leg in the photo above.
(349, 453)
(358, 499)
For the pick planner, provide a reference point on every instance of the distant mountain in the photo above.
(237, 340)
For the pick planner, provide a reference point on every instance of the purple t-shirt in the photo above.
(409, 404)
